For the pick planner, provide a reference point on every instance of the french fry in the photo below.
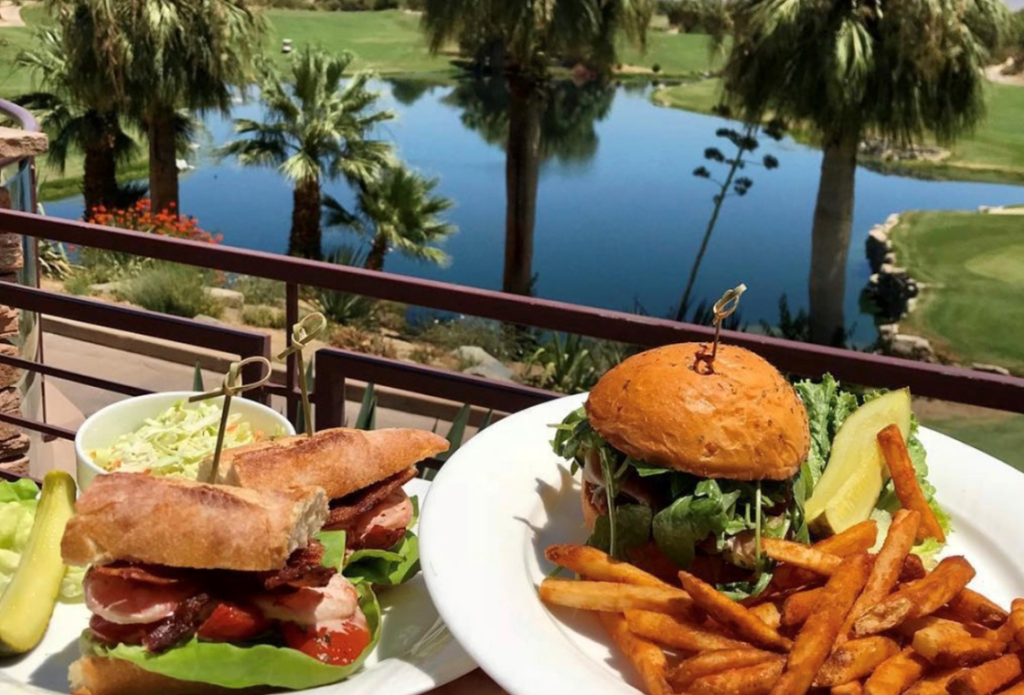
(859, 538)
(904, 481)
(798, 606)
(934, 684)
(648, 659)
(910, 627)
(613, 597)
(1017, 689)
(814, 641)
(855, 659)
(886, 570)
(732, 615)
(896, 674)
(920, 598)
(1016, 620)
(913, 569)
(675, 632)
(987, 677)
(971, 607)
(800, 555)
(712, 662)
(599, 566)
(750, 680)
(947, 644)
(851, 688)
(769, 614)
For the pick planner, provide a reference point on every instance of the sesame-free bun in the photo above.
(93, 675)
(741, 420)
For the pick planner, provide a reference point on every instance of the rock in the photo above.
(400, 348)
(992, 368)
(15, 447)
(105, 288)
(892, 220)
(911, 347)
(888, 331)
(892, 269)
(9, 320)
(21, 143)
(889, 259)
(483, 363)
(203, 318)
(8, 375)
(11, 258)
(10, 401)
(231, 299)
(876, 247)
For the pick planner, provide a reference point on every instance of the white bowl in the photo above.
(104, 426)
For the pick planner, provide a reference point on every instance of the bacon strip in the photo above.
(303, 569)
(146, 574)
(346, 510)
(190, 614)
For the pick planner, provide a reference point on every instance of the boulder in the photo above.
(482, 363)
(203, 318)
(877, 247)
(14, 447)
(105, 288)
(231, 299)
(9, 321)
(11, 257)
(8, 375)
(911, 347)
(21, 143)
(991, 368)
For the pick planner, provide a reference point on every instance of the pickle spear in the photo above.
(856, 470)
(27, 604)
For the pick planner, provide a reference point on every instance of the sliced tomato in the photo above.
(334, 647)
(231, 622)
(116, 633)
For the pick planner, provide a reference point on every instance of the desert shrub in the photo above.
(449, 334)
(170, 288)
(263, 316)
(343, 308)
(260, 290)
(366, 342)
(656, 68)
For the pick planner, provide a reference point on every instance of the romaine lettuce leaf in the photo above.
(232, 666)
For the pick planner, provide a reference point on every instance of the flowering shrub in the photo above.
(141, 218)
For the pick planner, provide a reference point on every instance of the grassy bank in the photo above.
(1001, 436)
(994, 152)
(974, 266)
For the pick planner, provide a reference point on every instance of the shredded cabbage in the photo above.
(175, 442)
(18, 502)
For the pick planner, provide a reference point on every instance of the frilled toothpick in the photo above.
(303, 333)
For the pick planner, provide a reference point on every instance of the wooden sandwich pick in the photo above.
(303, 333)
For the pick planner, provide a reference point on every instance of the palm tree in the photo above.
(160, 56)
(527, 35)
(848, 70)
(314, 130)
(76, 119)
(402, 210)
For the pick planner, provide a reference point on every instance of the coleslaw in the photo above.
(175, 442)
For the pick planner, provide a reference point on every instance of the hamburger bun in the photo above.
(95, 675)
(741, 420)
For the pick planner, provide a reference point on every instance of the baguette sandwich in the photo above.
(363, 474)
(200, 589)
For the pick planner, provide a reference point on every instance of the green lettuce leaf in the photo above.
(233, 666)
(681, 526)
(334, 548)
(19, 490)
(827, 407)
(391, 567)
(634, 528)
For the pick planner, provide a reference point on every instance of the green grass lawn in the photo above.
(1002, 437)
(676, 54)
(975, 265)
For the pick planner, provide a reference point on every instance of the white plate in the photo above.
(416, 653)
(504, 497)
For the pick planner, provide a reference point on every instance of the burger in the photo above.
(362, 473)
(688, 462)
(205, 589)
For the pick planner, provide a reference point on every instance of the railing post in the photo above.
(291, 380)
(329, 394)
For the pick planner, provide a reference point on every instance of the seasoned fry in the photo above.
(732, 615)
(1017, 689)
(1016, 620)
(904, 480)
(648, 659)
(751, 680)
(948, 644)
(934, 684)
(599, 566)
(913, 569)
(910, 627)
(613, 597)
(986, 678)
(712, 662)
(814, 641)
(769, 614)
(675, 632)
(798, 606)
(800, 555)
(855, 659)
(920, 598)
(888, 563)
(971, 607)
(851, 688)
(859, 538)
(896, 674)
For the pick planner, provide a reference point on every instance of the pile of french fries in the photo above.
(835, 620)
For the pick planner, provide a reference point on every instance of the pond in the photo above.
(620, 215)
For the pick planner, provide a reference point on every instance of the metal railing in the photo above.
(334, 366)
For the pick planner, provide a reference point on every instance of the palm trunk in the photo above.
(830, 238)
(100, 176)
(304, 240)
(378, 249)
(522, 170)
(163, 166)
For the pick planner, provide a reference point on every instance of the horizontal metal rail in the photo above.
(36, 426)
(84, 379)
(333, 366)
